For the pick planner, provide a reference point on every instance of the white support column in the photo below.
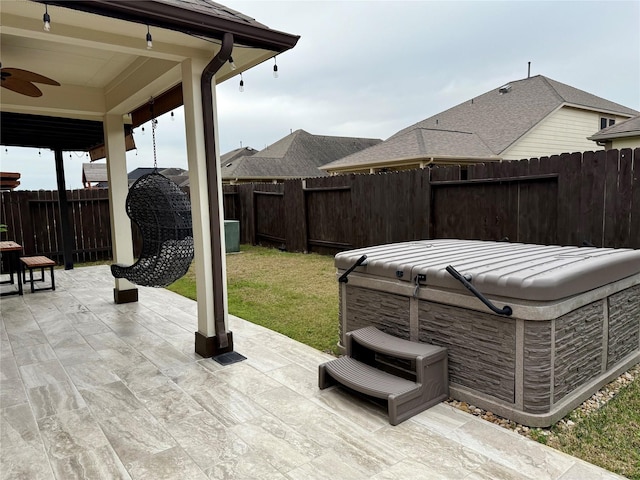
(194, 130)
(121, 240)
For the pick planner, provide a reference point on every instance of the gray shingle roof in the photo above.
(482, 127)
(297, 155)
(94, 172)
(501, 119)
(628, 128)
(237, 153)
(419, 143)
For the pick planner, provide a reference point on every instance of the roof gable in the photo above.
(296, 155)
(501, 116)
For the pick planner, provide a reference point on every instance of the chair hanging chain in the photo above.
(153, 136)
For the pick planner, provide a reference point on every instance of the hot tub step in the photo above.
(405, 397)
(364, 378)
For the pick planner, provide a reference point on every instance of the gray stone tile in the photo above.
(9, 368)
(246, 379)
(27, 339)
(207, 440)
(34, 354)
(97, 463)
(90, 374)
(142, 375)
(193, 377)
(168, 403)
(29, 463)
(166, 465)
(135, 435)
(12, 392)
(54, 398)
(165, 356)
(498, 444)
(43, 373)
(121, 357)
(329, 466)
(282, 446)
(17, 326)
(227, 405)
(252, 466)
(110, 399)
(18, 428)
(70, 433)
(582, 470)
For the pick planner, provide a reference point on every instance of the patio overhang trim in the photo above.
(173, 17)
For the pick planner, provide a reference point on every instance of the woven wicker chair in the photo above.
(163, 213)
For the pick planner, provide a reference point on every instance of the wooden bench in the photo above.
(416, 381)
(41, 262)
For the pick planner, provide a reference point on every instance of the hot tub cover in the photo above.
(513, 270)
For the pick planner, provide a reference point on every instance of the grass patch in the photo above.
(294, 294)
(609, 437)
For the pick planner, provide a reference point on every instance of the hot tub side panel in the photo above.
(482, 347)
(387, 311)
(624, 325)
(578, 348)
(537, 367)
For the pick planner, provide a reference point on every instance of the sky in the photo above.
(372, 68)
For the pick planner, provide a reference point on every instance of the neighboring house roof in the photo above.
(494, 121)
(94, 173)
(420, 143)
(237, 153)
(97, 172)
(296, 155)
(628, 128)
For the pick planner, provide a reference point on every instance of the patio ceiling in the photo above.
(97, 51)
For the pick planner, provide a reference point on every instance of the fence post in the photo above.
(296, 231)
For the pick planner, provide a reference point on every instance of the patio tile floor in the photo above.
(90, 389)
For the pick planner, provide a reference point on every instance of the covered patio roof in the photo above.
(105, 62)
(111, 68)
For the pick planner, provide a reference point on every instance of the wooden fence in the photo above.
(569, 199)
(566, 199)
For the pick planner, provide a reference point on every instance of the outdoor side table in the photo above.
(12, 250)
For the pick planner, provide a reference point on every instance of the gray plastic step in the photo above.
(378, 341)
(364, 378)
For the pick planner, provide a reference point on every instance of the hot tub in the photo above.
(567, 321)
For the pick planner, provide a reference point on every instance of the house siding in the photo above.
(630, 142)
(565, 130)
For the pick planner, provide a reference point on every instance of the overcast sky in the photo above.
(369, 69)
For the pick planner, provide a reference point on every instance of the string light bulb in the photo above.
(46, 19)
(275, 68)
(149, 39)
(233, 65)
(241, 83)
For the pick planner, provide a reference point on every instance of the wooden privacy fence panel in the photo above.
(564, 199)
(33, 220)
(568, 199)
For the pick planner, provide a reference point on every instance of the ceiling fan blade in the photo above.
(19, 86)
(28, 76)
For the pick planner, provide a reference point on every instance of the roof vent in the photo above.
(504, 89)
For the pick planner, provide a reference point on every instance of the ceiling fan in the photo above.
(22, 81)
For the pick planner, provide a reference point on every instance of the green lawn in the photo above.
(294, 294)
(297, 295)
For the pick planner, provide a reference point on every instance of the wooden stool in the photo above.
(37, 262)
